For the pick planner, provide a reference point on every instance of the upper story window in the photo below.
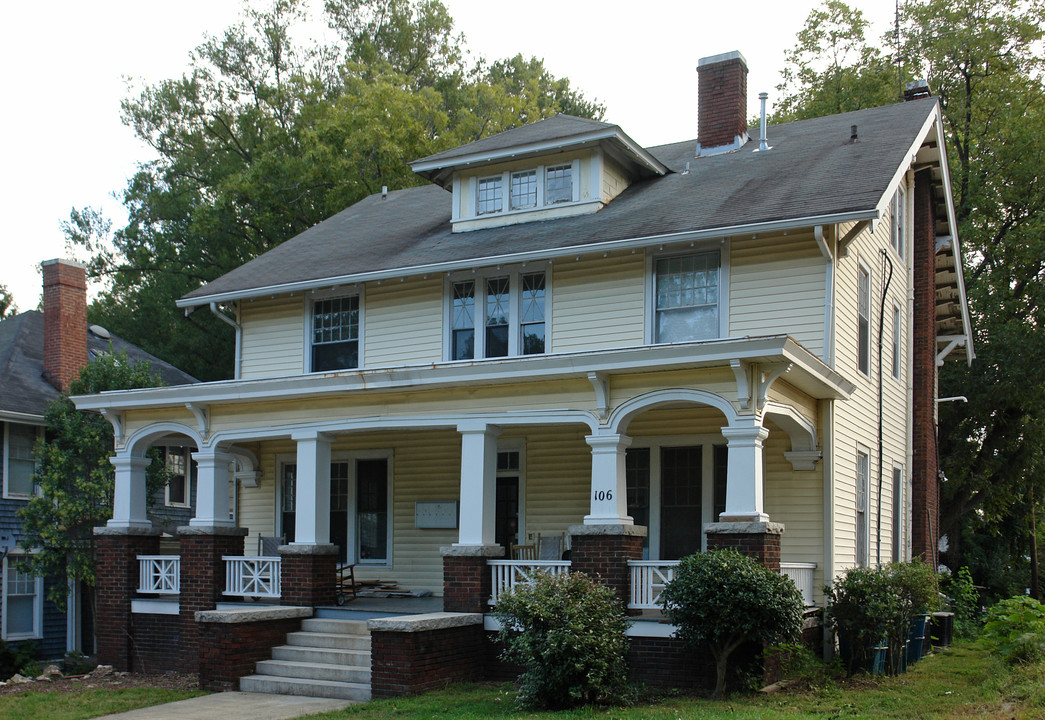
(497, 315)
(686, 288)
(18, 461)
(863, 340)
(896, 341)
(335, 334)
(899, 223)
(528, 189)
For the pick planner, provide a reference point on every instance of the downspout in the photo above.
(881, 404)
(829, 295)
(239, 336)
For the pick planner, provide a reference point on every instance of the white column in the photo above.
(478, 483)
(212, 489)
(744, 493)
(312, 518)
(609, 482)
(128, 504)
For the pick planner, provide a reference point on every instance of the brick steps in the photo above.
(327, 658)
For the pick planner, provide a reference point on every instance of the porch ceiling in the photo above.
(808, 373)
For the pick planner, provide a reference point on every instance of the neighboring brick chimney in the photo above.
(65, 321)
(721, 103)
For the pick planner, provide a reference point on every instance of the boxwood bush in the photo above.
(722, 599)
(568, 631)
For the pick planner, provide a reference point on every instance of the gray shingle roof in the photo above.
(558, 127)
(23, 388)
(812, 170)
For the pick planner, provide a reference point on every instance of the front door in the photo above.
(681, 513)
(506, 532)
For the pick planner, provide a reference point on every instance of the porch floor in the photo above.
(366, 608)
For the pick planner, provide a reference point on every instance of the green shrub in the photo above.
(1017, 627)
(76, 663)
(964, 600)
(724, 599)
(569, 632)
(863, 607)
(15, 657)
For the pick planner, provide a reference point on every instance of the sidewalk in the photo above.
(234, 706)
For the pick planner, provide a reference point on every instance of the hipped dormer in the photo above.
(553, 168)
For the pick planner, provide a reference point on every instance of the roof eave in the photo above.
(532, 255)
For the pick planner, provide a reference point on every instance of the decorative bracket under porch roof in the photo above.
(755, 377)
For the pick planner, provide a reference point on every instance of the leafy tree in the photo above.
(7, 303)
(262, 138)
(75, 478)
(983, 62)
(722, 599)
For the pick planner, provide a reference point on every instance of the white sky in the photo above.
(62, 144)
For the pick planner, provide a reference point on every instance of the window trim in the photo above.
(863, 269)
(898, 222)
(653, 255)
(514, 274)
(6, 450)
(863, 525)
(473, 183)
(333, 294)
(897, 356)
(38, 604)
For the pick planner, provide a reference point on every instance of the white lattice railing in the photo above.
(507, 574)
(802, 575)
(648, 578)
(159, 574)
(252, 576)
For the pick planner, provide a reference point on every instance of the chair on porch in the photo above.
(269, 546)
(550, 547)
(523, 552)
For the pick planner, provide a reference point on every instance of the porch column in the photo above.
(212, 489)
(744, 491)
(467, 583)
(308, 565)
(478, 483)
(609, 484)
(312, 521)
(129, 493)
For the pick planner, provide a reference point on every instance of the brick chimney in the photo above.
(721, 103)
(65, 321)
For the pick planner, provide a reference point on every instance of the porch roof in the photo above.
(808, 373)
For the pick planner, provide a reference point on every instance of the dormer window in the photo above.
(528, 189)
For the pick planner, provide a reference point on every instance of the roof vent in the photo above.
(763, 145)
(853, 136)
(99, 331)
(917, 89)
(384, 191)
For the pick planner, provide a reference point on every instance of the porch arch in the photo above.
(623, 414)
(141, 439)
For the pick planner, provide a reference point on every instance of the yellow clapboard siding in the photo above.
(403, 322)
(273, 337)
(598, 303)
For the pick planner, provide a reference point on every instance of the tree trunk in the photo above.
(1034, 590)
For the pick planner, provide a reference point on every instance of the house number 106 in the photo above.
(603, 495)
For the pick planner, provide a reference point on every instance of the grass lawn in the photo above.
(963, 682)
(87, 703)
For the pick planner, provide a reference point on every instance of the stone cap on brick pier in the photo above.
(494, 551)
(249, 615)
(632, 530)
(424, 622)
(744, 528)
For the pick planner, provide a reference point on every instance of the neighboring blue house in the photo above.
(41, 352)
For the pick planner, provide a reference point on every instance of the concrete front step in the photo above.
(308, 688)
(329, 656)
(314, 671)
(324, 625)
(329, 640)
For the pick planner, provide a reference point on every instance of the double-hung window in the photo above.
(899, 224)
(22, 606)
(863, 490)
(863, 339)
(686, 288)
(335, 334)
(502, 314)
(178, 463)
(18, 461)
(897, 335)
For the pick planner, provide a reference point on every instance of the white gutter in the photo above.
(24, 418)
(239, 336)
(829, 295)
(532, 255)
(816, 379)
